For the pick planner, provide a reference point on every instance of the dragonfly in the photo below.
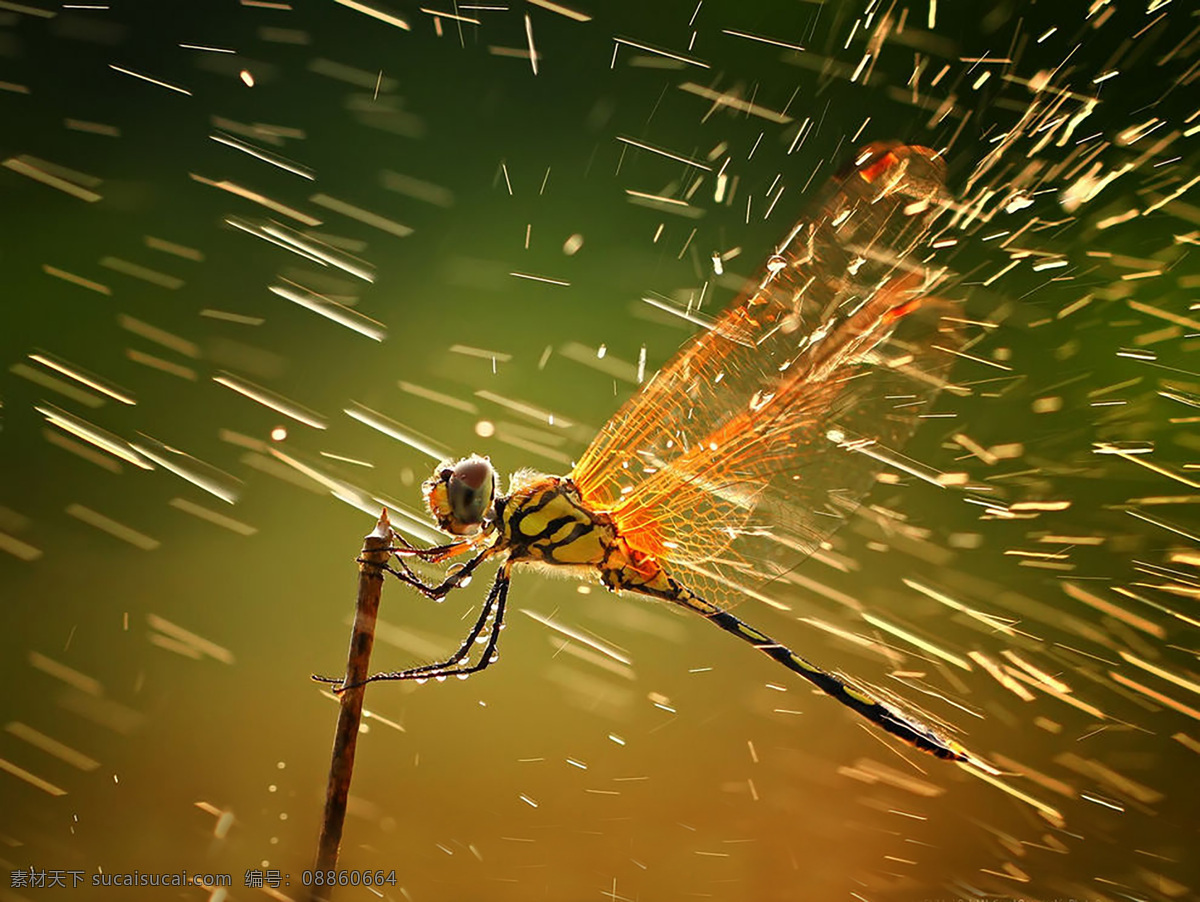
(747, 449)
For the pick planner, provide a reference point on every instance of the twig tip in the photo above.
(383, 527)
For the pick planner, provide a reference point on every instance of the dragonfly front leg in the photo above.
(433, 554)
(493, 612)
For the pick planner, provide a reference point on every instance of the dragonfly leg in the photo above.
(492, 612)
(445, 587)
(657, 583)
(433, 554)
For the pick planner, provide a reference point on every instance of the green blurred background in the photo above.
(701, 770)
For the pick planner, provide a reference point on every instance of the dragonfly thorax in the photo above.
(545, 519)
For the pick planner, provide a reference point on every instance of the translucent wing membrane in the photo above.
(757, 439)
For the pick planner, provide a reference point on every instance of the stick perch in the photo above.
(370, 582)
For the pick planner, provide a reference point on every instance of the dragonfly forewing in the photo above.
(724, 459)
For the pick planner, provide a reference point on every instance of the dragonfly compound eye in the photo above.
(459, 495)
(469, 491)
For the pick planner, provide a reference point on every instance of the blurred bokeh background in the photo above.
(172, 572)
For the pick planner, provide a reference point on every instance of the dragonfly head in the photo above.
(460, 494)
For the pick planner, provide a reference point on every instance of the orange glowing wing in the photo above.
(765, 431)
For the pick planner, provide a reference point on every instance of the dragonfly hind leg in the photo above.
(492, 612)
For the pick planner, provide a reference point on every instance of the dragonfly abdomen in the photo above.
(649, 578)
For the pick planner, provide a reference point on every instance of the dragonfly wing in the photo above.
(767, 428)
